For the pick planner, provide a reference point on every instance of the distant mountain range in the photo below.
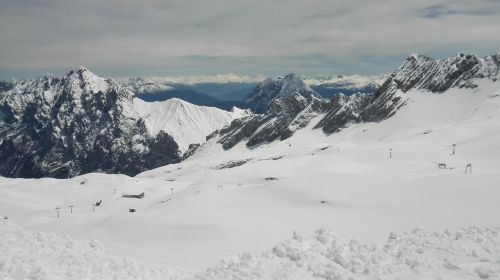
(80, 123)
(227, 91)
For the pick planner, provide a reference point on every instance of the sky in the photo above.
(122, 38)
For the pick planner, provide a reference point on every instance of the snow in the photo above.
(94, 82)
(40, 255)
(469, 253)
(345, 182)
(186, 122)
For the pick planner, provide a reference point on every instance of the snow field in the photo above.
(345, 182)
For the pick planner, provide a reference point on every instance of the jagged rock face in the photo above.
(5, 86)
(343, 110)
(421, 72)
(427, 74)
(263, 95)
(61, 127)
(284, 116)
(417, 73)
(191, 150)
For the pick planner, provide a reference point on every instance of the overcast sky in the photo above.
(185, 37)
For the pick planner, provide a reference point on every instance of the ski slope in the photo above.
(345, 182)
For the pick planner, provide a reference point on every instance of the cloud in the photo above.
(155, 37)
(460, 8)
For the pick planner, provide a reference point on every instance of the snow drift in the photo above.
(469, 253)
(48, 256)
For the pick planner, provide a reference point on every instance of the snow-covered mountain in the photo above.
(286, 104)
(187, 123)
(301, 103)
(140, 85)
(270, 89)
(82, 123)
(422, 73)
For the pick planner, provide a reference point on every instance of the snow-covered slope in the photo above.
(187, 123)
(426, 74)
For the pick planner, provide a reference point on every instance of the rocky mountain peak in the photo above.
(438, 75)
(61, 127)
(261, 98)
(292, 84)
(288, 104)
(285, 104)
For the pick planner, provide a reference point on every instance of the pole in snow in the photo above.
(468, 167)
(57, 211)
(390, 152)
(453, 147)
(71, 209)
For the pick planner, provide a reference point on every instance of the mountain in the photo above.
(140, 86)
(4, 85)
(226, 91)
(270, 89)
(151, 91)
(343, 109)
(186, 122)
(80, 123)
(423, 73)
(288, 104)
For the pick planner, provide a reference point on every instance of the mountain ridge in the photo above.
(418, 73)
(79, 123)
